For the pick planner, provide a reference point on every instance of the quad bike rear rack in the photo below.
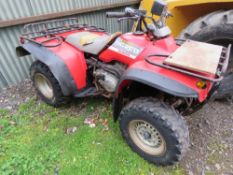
(52, 27)
(221, 69)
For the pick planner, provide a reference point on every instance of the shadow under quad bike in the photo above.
(152, 78)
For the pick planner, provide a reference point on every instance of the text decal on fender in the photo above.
(126, 48)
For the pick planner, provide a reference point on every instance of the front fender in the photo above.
(65, 67)
(151, 79)
(157, 81)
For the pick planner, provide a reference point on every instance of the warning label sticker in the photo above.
(126, 48)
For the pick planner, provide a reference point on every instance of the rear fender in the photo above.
(152, 79)
(65, 67)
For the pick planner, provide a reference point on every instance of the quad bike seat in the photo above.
(90, 42)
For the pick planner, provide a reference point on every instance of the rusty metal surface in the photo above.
(196, 56)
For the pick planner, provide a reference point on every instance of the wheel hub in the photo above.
(147, 137)
(43, 84)
(148, 134)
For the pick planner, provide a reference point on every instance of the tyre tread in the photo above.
(215, 18)
(169, 117)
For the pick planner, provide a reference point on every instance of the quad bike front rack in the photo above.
(52, 27)
(221, 69)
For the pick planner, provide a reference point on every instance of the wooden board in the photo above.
(196, 56)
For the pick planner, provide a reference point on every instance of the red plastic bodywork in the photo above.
(164, 46)
(75, 60)
(72, 57)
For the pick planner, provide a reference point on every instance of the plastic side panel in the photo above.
(75, 61)
(163, 46)
(122, 54)
(110, 55)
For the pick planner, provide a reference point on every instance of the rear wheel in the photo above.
(46, 85)
(154, 130)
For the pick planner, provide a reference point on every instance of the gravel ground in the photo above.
(12, 97)
(211, 132)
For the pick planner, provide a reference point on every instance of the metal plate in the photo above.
(196, 56)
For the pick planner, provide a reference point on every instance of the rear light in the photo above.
(201, 84)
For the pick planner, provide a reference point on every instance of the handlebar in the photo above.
(116, 14)
(129, 12)
(142, 25)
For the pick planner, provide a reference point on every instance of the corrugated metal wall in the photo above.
(14, 69)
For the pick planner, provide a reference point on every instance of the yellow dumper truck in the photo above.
(194, 16)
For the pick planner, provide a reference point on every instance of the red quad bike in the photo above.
(153, 79)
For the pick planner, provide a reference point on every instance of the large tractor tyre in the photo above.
(46, 85)
(215, 28)
(154, 130)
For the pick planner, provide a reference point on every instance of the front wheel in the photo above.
(154, 130)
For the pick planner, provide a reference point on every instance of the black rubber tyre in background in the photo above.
(46, 85)
(154, 130)
(215, 28)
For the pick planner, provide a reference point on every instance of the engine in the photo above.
(107, 76)
(107, 80)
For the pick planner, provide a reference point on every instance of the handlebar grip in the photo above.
(115, 14)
